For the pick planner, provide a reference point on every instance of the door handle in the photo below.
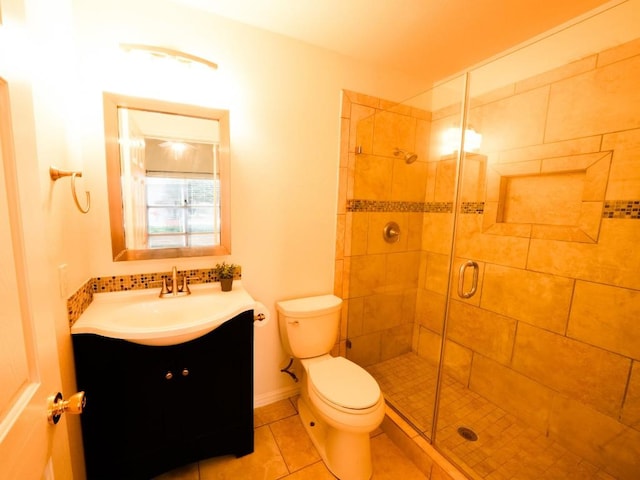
(474, 282)
(56, 406)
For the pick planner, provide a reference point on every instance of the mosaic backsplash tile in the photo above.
(79, 302)
(389, 206)
(438, 207)
(624, 209)
(620, 209)
(81, 299)
(472, 207)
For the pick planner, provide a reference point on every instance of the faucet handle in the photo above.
(165, 288)
(185, 285)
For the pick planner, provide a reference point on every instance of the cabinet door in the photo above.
(123, 424)
(218, 388)
(148, 391)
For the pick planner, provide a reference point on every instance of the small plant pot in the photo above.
(226, 284)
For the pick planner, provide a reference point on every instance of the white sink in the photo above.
(141, 316)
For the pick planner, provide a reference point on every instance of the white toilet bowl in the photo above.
(340, 405)
(340, 402)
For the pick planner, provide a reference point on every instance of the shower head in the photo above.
(409, 157)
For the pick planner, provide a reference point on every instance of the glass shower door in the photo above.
(540, 371)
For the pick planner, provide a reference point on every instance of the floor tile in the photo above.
(315, 471)
(294, 443)
(284, 451)
(273, 412)
(265, 463)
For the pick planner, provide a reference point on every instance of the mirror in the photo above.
(168, 178)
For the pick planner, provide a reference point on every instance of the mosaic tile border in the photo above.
(79, 302)
(438, 207)
(622, 209)
(82, 298)
(472, 207)
(356, 205)
(618, 209)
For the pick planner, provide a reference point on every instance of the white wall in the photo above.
(284, 102)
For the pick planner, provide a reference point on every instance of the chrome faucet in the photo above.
(174, 290)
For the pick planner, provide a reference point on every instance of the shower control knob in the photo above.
(391, 232)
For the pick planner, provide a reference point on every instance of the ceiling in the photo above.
(428, 39)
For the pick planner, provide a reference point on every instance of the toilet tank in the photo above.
(309, 326)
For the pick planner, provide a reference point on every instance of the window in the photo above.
(181, 212)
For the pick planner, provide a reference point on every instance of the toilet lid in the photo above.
(344, 383)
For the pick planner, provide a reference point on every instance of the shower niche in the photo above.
(554, 198)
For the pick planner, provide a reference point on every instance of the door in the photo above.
(29, 368)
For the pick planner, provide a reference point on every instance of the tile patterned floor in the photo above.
(283, 450)
(505, 450)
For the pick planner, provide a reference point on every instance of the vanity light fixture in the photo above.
(163, 52)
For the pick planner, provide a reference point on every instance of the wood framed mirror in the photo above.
(168, 178)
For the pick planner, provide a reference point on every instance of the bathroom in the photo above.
(276, 222)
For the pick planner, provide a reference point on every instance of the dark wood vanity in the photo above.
(153, 408)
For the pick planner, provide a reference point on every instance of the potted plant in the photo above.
(225, 273)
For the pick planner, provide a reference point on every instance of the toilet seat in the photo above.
(342, 383)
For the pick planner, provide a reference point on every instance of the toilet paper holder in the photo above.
(261, 315)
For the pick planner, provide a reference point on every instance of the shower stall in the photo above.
(491, 255)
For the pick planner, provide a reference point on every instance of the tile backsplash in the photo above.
(82, 298)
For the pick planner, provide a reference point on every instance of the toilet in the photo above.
(340, 403)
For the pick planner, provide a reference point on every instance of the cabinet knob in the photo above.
(185, 372)
(168, 375)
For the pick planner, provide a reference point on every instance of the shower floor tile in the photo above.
(506, 449)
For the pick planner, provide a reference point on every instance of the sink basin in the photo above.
(141, 316)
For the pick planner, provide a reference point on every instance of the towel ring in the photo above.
(56, 173)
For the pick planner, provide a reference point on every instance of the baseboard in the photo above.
(275, 396)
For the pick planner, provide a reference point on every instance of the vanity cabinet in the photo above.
(153, 408)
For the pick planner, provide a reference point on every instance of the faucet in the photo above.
(174, 280)
(174, 290)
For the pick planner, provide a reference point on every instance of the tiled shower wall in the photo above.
(379, 280)
(553, 333)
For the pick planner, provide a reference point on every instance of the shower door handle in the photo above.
(474, 283)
